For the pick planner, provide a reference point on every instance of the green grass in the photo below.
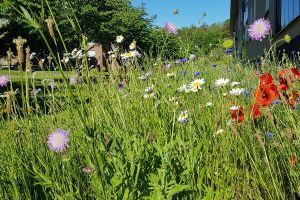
(138, 148)
(15, 75)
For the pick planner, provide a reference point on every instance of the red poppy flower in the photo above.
(265, 94)
(237, 113)
(255, 112)
(296, 73)
(282, 76)
(266, 79)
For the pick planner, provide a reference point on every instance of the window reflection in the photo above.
(289, 10)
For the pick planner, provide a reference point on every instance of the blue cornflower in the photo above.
(120, 86)
(276, 102)
(268, 135)
(183, 72)
(229, 51)
(246, 93)
(182, 60)
(197, 73)
(295, 107)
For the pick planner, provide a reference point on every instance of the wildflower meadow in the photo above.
(194, 124)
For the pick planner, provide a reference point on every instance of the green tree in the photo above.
(101, 21)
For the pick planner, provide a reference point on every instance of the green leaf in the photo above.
(177, 189)
(115, 181)
(29, 19)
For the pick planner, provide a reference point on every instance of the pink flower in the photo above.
(259, 29)
(4, 80)
(171, 28)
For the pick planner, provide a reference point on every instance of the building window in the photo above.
(288, 11)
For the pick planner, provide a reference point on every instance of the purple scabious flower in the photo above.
(4, 80)
(259, 29)
(171, 28)
(73, 79)
(58, 140)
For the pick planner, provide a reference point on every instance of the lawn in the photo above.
(16, 75)
(138, 136)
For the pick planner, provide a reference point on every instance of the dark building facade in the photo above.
(284, 16)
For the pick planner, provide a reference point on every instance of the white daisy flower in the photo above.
(183, 88)
(197, 82)
(119, 38)
(183, 116)
(169, 75)
(208, 104)
(149, 90)
(234, 84)
(220, 131)
(150, 95)
(195, 89)
(188, 90)
(222, 82)
(234, 108)
(236, 91)
(126, 55)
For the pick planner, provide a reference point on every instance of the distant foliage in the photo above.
(202, 40)
(100, 21)
(164, 44)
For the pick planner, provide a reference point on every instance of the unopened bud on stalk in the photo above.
(41, 63)
(8, 102)
(19, 44)
(28, 63)
(50, 23)
(49, 59)
(8, 53)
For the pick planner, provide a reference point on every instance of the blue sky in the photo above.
(190, 11)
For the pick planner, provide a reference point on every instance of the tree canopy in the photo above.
(99, 20)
